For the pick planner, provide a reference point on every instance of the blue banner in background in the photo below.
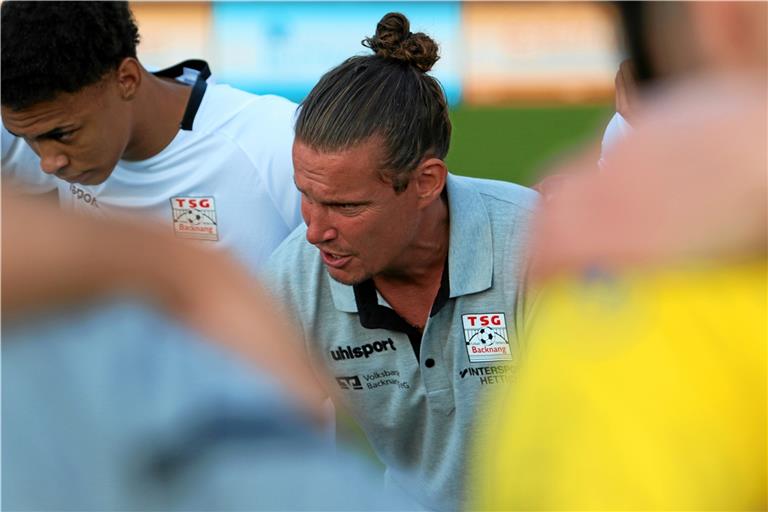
(284, 48)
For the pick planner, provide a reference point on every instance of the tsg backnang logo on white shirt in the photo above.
(195, 217)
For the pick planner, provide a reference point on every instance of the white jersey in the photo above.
(617, 130)
(228, 181)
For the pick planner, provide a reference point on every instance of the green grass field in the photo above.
(516, 143)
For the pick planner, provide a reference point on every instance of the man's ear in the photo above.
(429, 180)
(128, 77)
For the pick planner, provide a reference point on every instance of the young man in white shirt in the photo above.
(210, 162)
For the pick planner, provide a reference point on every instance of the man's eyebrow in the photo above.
(334, 202)
(55, 132)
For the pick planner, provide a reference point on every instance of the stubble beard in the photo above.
(352, 281)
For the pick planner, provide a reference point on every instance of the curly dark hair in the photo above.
(52, 47)
(388, 94)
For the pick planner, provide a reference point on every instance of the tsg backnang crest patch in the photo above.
(195, 217)
(486, 337)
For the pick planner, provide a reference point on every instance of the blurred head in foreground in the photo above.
(692, 183)
(644, 387)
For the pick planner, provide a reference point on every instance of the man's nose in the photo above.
(319, 230)
(51, 159)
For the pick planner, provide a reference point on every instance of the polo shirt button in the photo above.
(429, 363)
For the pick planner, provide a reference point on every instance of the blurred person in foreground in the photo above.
(211, 162)
(645, 382)
(407, 280)
(121, 396)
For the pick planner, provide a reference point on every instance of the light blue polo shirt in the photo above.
(417, 396)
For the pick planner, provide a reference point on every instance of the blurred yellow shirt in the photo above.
(645, 392)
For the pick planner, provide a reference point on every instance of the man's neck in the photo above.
(159, 110)
(412, 288)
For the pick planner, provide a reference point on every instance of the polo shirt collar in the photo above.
(470, 247)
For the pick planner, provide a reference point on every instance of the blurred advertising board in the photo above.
(491, 52)
(540, 51)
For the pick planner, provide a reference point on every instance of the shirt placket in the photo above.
(434, 371)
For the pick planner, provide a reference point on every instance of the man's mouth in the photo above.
(335, 260)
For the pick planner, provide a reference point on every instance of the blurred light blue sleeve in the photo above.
(118, 408)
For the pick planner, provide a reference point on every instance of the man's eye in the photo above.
(61, 136)
(348, 208)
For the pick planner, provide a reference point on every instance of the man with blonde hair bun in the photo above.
(406, 280)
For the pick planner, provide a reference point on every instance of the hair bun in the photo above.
(394, 40)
